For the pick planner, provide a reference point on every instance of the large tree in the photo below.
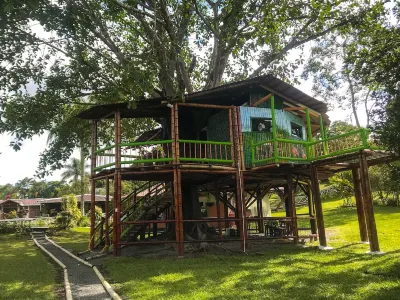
(375, 58)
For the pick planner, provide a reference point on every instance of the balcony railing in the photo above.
(280, 150)
(152, 153)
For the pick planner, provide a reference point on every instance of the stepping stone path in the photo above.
(84, 282)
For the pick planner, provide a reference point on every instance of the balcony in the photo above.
(280, 150)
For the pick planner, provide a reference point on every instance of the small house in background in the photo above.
(37, 207)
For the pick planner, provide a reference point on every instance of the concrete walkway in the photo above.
(84, 282)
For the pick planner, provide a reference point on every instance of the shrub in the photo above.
(98, 213)
(11, 215)
(70, 214)
(13, 227)
(84, 222)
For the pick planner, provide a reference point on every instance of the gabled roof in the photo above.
(22, 202)
(236, 93)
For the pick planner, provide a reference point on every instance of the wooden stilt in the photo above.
(318, 206)
(240, 197)
(92, 185)
(311, 209)
(292, 205)
(360, 206)
(260, 212)
(117, 187)
(368, 207)
(177, 182)
(219, 217)
(107, 214)
(226, 213)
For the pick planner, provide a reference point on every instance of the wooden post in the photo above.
(231, 136)
(260, 215)
(92, 185)
(292, 204)
(322, 133)
(107, 213)
(309, 150)
(368, 207)
(177, 181)
(219, 217)
(311, 210)
(240, 198)
(117, 187)
(360, 206)
(274, 136)
(318, 206)
(226, 213)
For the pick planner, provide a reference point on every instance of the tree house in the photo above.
(238, 142)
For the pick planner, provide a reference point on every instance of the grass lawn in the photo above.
(75, 239)
(280, 272)
(25, 272)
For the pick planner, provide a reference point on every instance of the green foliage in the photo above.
(343, 183)
(375, 58)
(29, 188)
(13, 227)
(84, 222)
(12, 215)
(98, 213)
(339, 127)
(385, 184)
(70, 214)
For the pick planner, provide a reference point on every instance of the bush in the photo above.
(70, 214)
(11, 215)
(98, 213)
(13, 227)
(84, 222)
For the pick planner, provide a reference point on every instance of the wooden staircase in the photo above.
(145, 203)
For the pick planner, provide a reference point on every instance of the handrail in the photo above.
(339, 136)
(205, 142)
(145, 143)
(310, 153)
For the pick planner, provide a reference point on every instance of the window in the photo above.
(296, 130)
(261, 125)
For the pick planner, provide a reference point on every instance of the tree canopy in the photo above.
(84, 52)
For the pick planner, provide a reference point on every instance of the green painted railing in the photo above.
(287, 150)
(211, 152)
(160, 152)
(135, 153)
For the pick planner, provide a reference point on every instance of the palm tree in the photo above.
(74, 171)
(23, 186)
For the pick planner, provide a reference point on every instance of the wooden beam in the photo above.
(117, 187)
(294, 108)
(318, 206)
(368, 207)
(301, 109)
(263, 99)
(92, 185)
(359, 204)
(292, 204)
